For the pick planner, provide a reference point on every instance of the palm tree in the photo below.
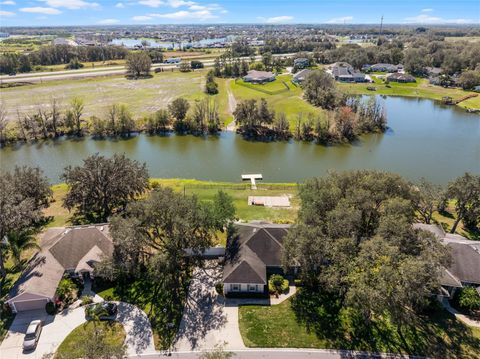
(18, 242)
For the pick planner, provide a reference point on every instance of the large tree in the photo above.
(320, 90)
(429, 199)
(465, 191)
(138, 64)
(103, 186)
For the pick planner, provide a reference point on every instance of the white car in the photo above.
(32, 335)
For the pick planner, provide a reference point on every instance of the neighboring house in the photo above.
(345, 72)
(259, 77)
(253, 253)
(301, 63)
(72, 250)
(465, 267)
(383, 68)
(63, 41)
(173, 60)
(301, 75)
(399, 77)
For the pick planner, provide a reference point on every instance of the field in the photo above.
(142, 96)
(419, 89)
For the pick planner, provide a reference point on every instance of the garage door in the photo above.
(30, 304)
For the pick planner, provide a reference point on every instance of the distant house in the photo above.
(71, 250)
(252, 254)
(259, 77)
(399, 77)
(301, 63)
(173, 60)
(383, 68)
(465, 267)
(433, 71)
(345, 72)
(301, 75)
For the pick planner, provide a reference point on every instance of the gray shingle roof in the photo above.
(466, 262)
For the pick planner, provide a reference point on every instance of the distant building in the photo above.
(399, 77)
(301, 63)
(173, 60)
(345, 72)
(64, 41)
(259, 77)
(301, 75)
(4, 34)
(383, 68)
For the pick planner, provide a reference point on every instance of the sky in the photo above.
(119, 12)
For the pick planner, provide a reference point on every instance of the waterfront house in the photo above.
(399, 77)
(383, 68)
(259, 77)
(300, 76)
(344, 72)
(72, 250)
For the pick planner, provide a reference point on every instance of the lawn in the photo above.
(290, 102)
(438, 335)
(421, 88)
(69, 348)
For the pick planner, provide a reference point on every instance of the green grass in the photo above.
(290, 102)
(438, 335)
(69, 349)
(419, 89)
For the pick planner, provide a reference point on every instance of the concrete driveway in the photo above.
(207, 320)
(139, 337)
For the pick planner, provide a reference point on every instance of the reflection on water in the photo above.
(424, 139)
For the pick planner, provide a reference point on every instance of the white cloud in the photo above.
(41, 10)
(178, 3)
(6, 13)
(340, 20)
(8, 2)
(427, 10)
(277, 19)
(141, 18)
(152, 3)
(109, 21)
(120, 5)
(187, 15)
(427, 19)
(170, 3)
(71, 4)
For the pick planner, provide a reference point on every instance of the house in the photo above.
(345, 72)
(259, 77)
(253, 253)
(383, 68)
(399, 77)
(173, 60)
(301, 63)
(269, 201)
(301, 75)
(465, 267)
(71, 250)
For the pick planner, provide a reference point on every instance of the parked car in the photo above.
(32, 335)
(104, 311)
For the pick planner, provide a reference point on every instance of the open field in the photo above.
(419, 89)
(437, 334)
(463, 38)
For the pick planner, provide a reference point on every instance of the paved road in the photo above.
(86, 73)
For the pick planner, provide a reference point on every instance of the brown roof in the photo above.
(257, 247)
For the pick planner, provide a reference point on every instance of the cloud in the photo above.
(340, 20)
(276, 19)
(152, 3)
(427, 19)
(120, 5)
(427, 10)
(71, 4)
(142, 18)
(186, 15)
(8, 2)
(6, 13)
(108, 21)
(170, 3)
(41, 10)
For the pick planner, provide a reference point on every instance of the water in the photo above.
(425, 140)
(132, 43)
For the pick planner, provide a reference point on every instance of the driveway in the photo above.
(207, 320)
(139, 338)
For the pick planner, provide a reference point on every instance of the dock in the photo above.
(252, 178)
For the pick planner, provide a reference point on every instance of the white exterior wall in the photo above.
(242, 288)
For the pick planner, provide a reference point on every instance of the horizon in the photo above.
(66, 13)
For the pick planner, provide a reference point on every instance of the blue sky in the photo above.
(93, 12)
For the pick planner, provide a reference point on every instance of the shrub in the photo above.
(67, 290)
(277, 284)
(50, 308)
(469, 299)
(219, 288)
(298, 283)
(87, 300)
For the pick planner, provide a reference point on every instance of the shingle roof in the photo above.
(257, 247)
(466, 263)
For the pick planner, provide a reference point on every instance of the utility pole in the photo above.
(381, 26)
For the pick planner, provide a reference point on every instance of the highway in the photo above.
(94, 72)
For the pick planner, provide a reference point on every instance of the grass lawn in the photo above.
(290, 102)
(419, 89)
(69, 347)
(438, 335)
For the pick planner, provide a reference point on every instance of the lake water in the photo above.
(425, 139)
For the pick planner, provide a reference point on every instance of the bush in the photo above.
(219, 288)
(67, 290)
(277, 284)
(50, 308)
(87, 300)
(298, 283)
(195, 64)
(468, 299)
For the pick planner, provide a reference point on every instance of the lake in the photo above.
(425, 139)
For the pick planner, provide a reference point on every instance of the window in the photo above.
(252, 287)
(235, 287)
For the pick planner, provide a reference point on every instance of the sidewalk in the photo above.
(463, 318)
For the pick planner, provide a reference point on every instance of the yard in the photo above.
(304, 322)
(69, 348)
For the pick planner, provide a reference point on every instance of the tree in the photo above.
(74, 64)
(73, 117)
(138, 64)
(20, 241)
(415, 61)
(103, 186)
(267, 59)
(319, 89)
(469, 299)
(429, 198)
(465, 190)
(158, 122)
(185, 67)
(195, 64)
(211, 87)
(469, 79)
(178, 108)
(281, 125)
(264, 114)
